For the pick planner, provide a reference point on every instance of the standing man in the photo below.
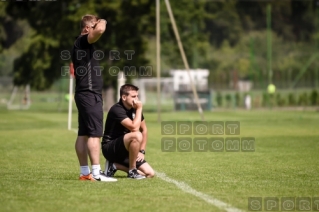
(125, 136)
(88, 98)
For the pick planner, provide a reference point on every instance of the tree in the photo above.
(10, 32)
(190, 24)
(41, 64)
(216, 35)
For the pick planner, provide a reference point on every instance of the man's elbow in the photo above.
(135, 130)
(144, 131)
(100, 30)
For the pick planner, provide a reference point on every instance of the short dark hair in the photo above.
(126, 88)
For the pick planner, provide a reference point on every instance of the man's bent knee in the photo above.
(132, 138)
(150, 173)
(137, 136)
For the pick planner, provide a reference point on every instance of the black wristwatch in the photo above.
(142, 151)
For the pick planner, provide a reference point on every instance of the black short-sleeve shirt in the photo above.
(113, 126)
(88, 73)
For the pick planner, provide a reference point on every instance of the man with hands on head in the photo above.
(125, 136)
(88, 98)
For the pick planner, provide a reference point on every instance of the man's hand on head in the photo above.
(98, 21)
(94, 24)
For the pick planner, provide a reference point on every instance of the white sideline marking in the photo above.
(186, 188)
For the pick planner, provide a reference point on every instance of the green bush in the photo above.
(292, 99)
(238, 100)
(303, 99)
(228, 100)
(265, 99)
(280, 101)
(314, 98)
(219, 99)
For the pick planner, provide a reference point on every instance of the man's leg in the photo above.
(124, 148)
(82, 150)
(144, 169)
(147, 170)
(81, 147)
(126, 169)
(85, 146)
(92, 123)
(93, 145)
(114, 151)
(132, 142)
(121, 167)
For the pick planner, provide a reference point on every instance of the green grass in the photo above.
(39, 169)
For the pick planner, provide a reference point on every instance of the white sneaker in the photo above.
(103, 178)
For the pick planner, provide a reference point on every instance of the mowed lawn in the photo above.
(39, 169)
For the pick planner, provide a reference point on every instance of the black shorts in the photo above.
(90, 114)
(115, 152)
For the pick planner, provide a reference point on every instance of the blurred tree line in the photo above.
(227, 37)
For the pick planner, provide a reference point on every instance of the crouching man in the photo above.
(125, 137)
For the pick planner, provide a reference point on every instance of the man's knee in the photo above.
(147, 170)
(133, 138)
(150, 173)
(137, 136)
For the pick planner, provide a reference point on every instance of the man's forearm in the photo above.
(137, 120)
(144, 141)
(100, 25)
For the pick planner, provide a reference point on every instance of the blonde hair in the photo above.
(88, 19)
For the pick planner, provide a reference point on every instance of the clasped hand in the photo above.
(140, 157)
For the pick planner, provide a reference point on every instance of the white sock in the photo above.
(85, 170)
(96, 170)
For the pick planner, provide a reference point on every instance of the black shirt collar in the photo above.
(121, 103)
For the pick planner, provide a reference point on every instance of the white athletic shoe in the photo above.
(103, 178)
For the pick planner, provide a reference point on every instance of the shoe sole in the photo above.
(87, 179)
(136, 178)
(106, 179)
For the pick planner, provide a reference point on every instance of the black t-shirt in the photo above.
(88, 73)
(113, 126)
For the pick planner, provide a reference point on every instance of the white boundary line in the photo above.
(187, 189)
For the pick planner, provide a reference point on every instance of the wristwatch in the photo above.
(142, 151)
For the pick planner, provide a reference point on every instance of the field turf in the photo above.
(39, 169)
